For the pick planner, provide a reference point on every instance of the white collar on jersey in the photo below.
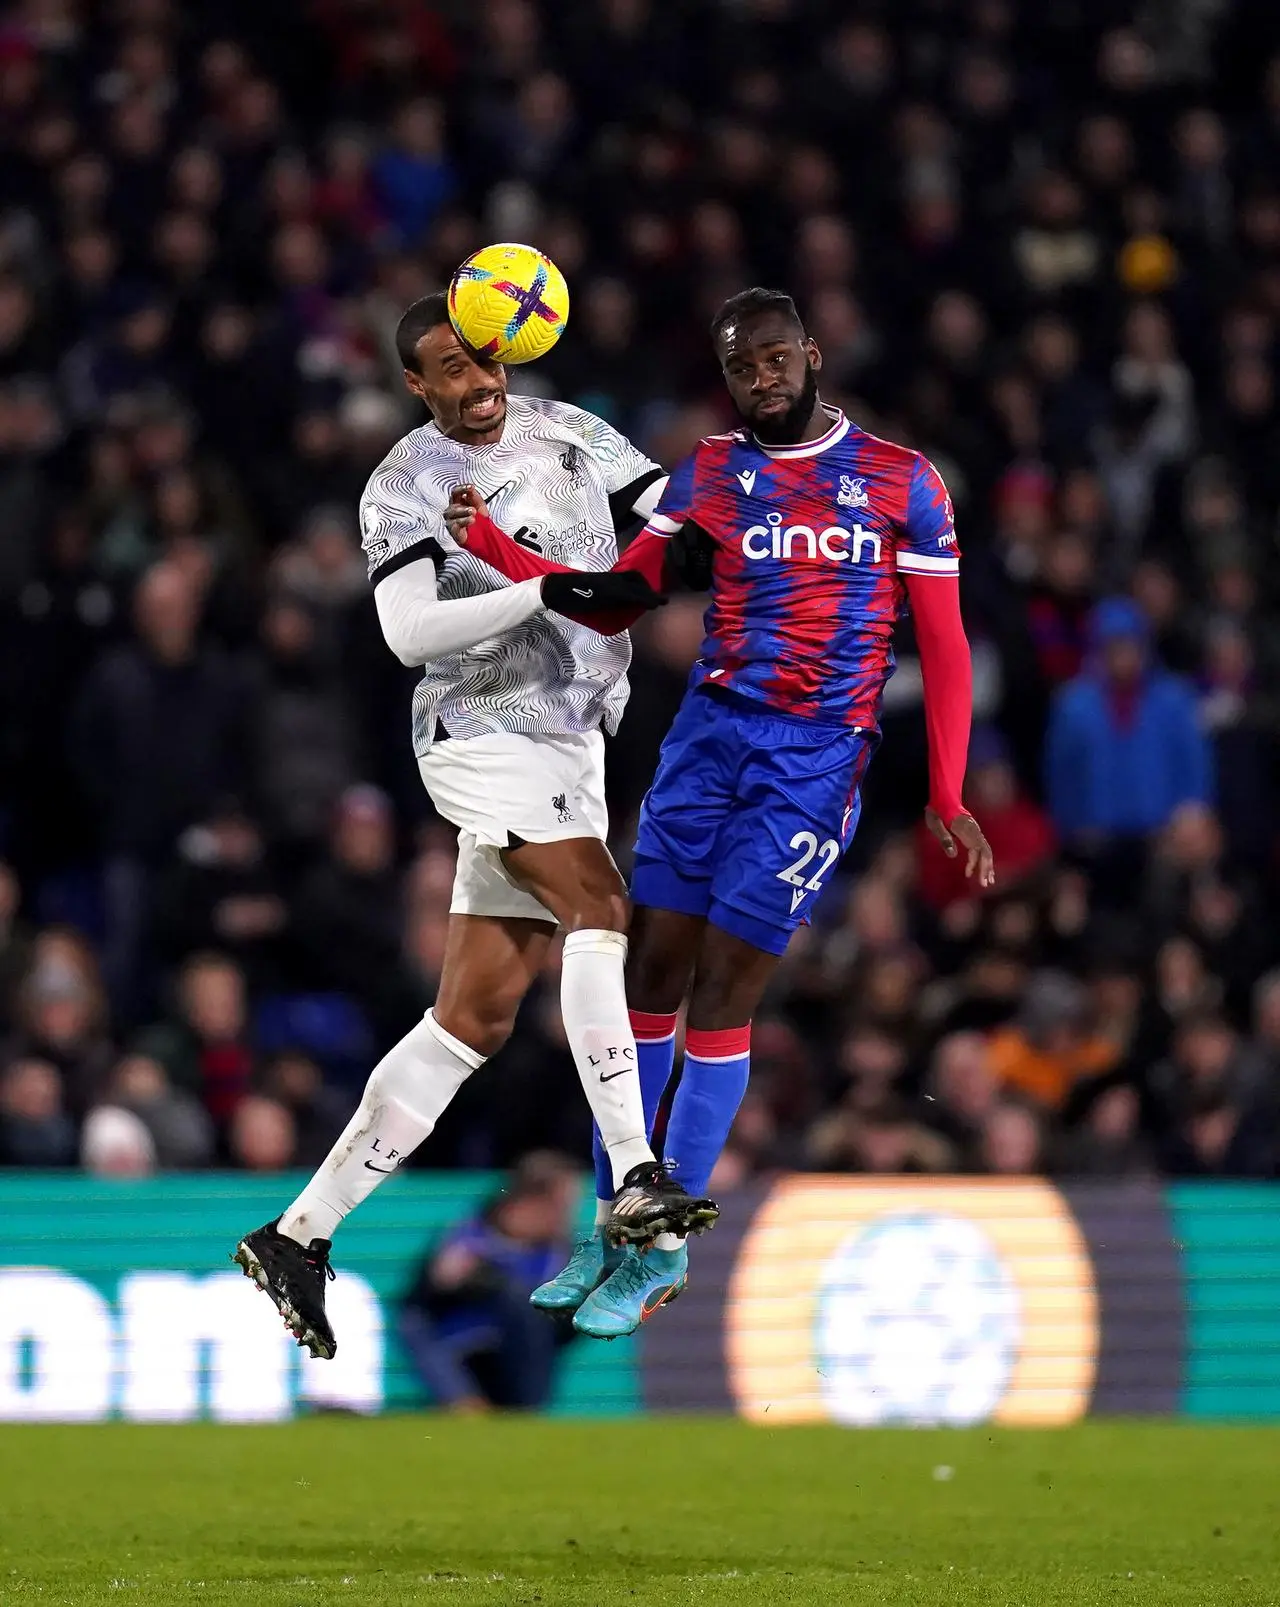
(810, 449)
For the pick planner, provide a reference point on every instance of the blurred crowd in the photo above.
(1041, 243)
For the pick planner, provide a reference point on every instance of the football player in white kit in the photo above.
(507, 728)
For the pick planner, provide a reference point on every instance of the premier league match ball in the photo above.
(509, 302)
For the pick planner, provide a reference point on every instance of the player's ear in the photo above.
(413, 383)
(812, 353)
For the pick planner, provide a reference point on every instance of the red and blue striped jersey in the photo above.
(811, 546)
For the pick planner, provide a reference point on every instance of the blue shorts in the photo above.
(747, 816)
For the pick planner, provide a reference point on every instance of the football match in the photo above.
(639, 797)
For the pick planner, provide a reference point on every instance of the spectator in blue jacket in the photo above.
(412, 175)
(1124, 746)
(466, 1323)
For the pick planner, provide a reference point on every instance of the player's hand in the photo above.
(967, 833)
(693, 556)
(580, 596)
(464, 503)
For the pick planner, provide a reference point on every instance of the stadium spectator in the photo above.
(203, 1046)
(963, 1091)
(1124, 747)
(157, 732)
(1012, 1141)
(34, 1128)
(261, 1136)
(466, 1321)
(349, 912)
(1052, 1045)
(220, 891)
(304, 746)
(293, 1079)
(116, 1143)
(13, 943)
(61, 1015)
(1023, 840)
(1108, 1141)
(179, 1126)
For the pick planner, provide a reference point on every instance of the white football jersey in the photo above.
(548, 483)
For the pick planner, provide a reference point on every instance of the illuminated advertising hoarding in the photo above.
(846, 1300)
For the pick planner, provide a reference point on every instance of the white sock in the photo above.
(593, 1002)
(402, 1102)
(667, 1241)
(604, 1210)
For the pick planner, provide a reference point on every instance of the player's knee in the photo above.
(656, 979)
(722, 996)
(716, 1010)
(603, 910)
(483, 1023)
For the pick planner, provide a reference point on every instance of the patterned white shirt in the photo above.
(559, 479)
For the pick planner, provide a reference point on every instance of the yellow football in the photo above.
(509, 302)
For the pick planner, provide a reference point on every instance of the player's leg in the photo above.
(489, 965)
(800, 800)
(663, 945)
(730, 979)
(661, 951)
(798, 790)
(577, 880)
(685, 807)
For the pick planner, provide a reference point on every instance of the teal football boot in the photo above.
(591, 1262)
(635, 1291)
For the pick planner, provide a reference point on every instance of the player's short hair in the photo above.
(749, 302)
(427, 313)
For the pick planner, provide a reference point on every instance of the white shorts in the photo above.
(508, 785)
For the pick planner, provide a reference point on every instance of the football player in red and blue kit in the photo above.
(815, 536)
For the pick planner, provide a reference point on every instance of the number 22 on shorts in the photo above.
(794, 874)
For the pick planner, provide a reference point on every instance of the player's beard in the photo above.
(787, 428)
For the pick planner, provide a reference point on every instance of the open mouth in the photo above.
(483, 410)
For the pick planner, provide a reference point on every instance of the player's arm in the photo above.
(419, 626)
(928, 560)
(660, 548)
(670, 549)
(404, 552)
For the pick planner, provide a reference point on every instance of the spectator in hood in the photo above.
(1052, 1045)
(1124, 747)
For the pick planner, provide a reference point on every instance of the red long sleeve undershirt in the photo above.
(647, 554)
(948, 686)
(935, 604)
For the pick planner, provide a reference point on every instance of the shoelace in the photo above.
(582, 1246)
(320, 1263)
(656, 1176)
(632, 1275)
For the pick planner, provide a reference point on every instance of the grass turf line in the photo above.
(589, 1514)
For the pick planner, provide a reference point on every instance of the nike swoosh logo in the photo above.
(605, 1076)
(577, 593)
(668, 1291)
(383, 1171)
(492, 496)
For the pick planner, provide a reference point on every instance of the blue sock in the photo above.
(655, 1055)
(716, 1068)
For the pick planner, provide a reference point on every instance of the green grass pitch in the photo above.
(497, 1510)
